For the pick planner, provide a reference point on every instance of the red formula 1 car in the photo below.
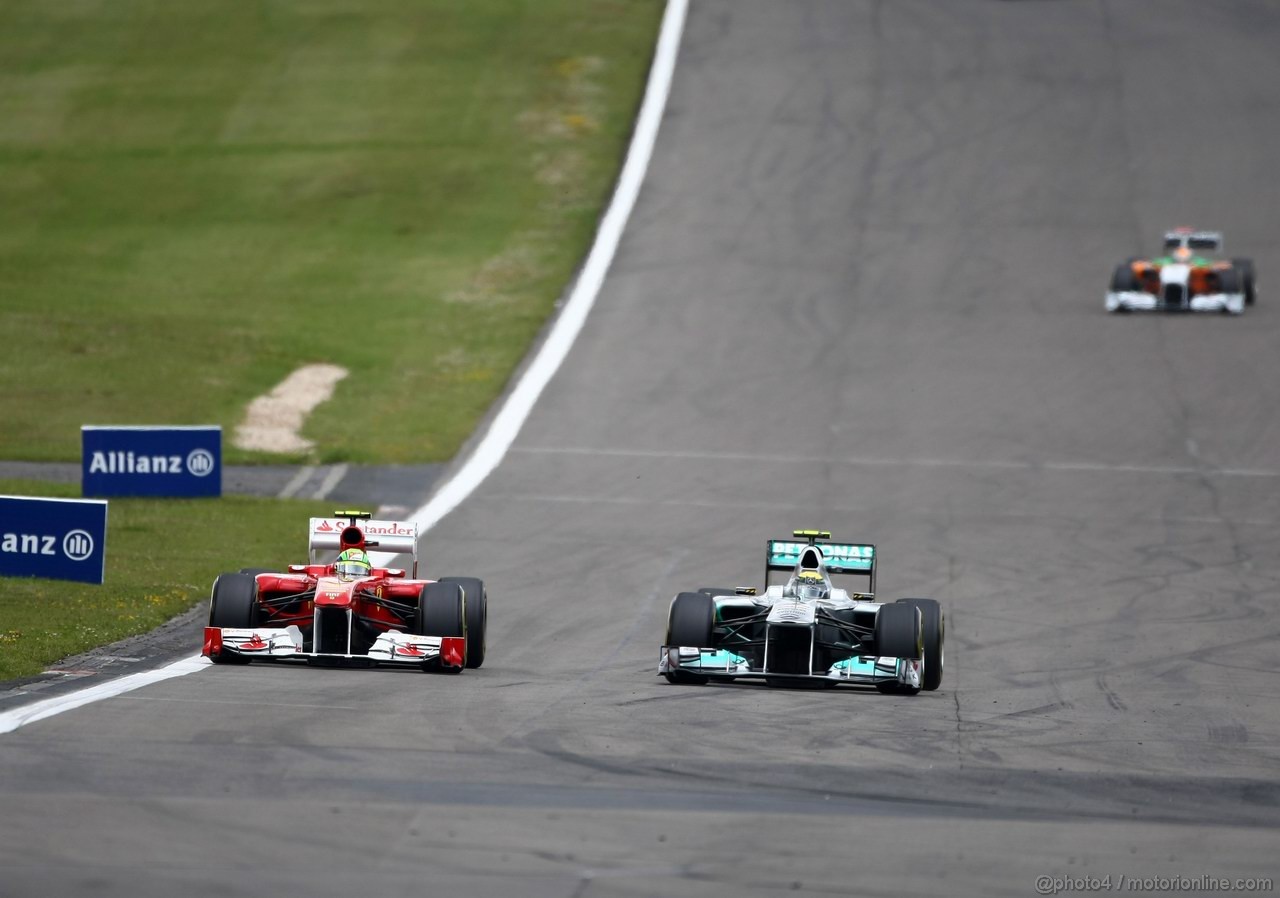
(338, 613)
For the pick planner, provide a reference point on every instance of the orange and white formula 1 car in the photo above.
(1183, 280)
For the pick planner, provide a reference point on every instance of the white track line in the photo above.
(11, 720)
(292, 487)
(332, 479)
(730, 505)
(520, 401)
(866, 461)
(490, 451)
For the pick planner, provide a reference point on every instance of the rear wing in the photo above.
(837, 558)
(356, 530)
(1209, 241)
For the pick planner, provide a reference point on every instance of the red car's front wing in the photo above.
(281, 644)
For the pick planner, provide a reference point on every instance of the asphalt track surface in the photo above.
(862, 290)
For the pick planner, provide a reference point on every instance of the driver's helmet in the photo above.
(810, 585)
(352, 563)
(1182, 254)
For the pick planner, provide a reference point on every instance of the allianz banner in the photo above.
(151, 461)
(63, 539)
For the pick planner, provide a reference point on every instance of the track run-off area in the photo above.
(861, 289)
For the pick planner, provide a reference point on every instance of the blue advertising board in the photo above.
(63, 539)
(151, 461)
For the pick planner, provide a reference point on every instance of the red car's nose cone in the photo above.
(334, 592)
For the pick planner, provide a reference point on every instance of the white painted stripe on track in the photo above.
(731, 505)
(295, 484)
(505, 426)
(490, 451)
(18, 717)
(229, 701)
(855, 461)
(332, 479)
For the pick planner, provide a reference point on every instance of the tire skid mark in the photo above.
(1113, 700)
(1229, 734)
(642, 612)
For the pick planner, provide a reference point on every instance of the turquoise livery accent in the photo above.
(719, 660)
(865, 666)
(838, 558)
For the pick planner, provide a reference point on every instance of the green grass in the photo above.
(197, 197)
(162, 557)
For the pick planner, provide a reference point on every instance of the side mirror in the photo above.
(395, 572)
(297, 568)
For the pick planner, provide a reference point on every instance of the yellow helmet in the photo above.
(352, 563)
(810, 585)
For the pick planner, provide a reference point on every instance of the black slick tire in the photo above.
(233, 604)
(934, 633)
(1245, 269)
(1229, 280)
(442, 611)
(689, 623)
(477, 603)
(899, 633)
(1123, 280)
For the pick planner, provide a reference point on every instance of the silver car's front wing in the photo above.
(725, 665)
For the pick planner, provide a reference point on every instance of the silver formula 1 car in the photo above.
(806, 631)
(1184, 279)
